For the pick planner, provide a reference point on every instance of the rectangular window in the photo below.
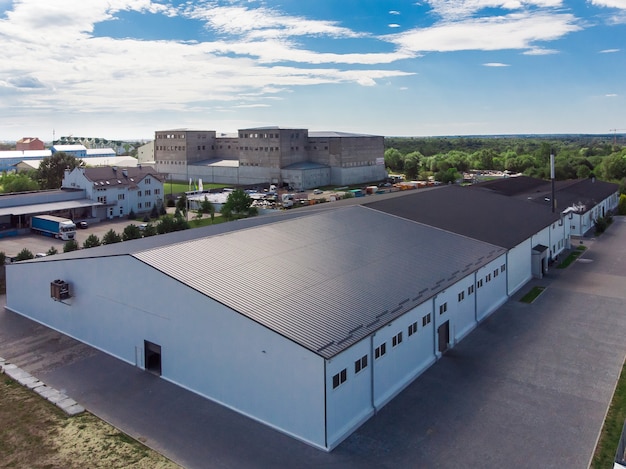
(443, 308)
(488, 278)
(502, 268)
(426, 320)
(360, 364)
(340, 378)
(138, 193)
(157, 191)
(397, 339)
(495, 273)
(139, 205)
(147, 180)
(470, 289)
(380, 350)
(461, 296)
(479, 283)
(120, 196)
(148, 204)
(412, 329)
(148, 193)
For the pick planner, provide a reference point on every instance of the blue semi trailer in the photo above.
(56, 227)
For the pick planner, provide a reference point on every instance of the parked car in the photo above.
(143, 226)
(82, 224)
(318, 191)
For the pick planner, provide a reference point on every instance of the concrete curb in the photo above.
(65, 403)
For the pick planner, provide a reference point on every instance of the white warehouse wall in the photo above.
(519, 266)
(206, 347)
(402, 364)
(493, 292)
(349, 404)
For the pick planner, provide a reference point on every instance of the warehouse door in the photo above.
(152, 357)
(443, 333)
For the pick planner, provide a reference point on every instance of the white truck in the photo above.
(56, 227)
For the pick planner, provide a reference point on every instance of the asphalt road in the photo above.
(529, 388)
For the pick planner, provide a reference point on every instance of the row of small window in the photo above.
(242, 135)
(379, 351)
(342, 376)
(171, 162)
(479, 284)
(148, 192)
(171, 148)
(145, 204)
(159, 136)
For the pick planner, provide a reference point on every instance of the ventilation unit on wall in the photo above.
(59, 290)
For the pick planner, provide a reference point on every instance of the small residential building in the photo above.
(29, 143)
(118, 190)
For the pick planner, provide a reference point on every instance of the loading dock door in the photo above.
(443, 336)
(152, 358)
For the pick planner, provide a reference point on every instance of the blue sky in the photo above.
(121, 69)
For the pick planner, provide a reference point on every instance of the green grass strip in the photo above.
(532, 294)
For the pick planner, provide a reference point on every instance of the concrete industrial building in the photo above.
(284, 156)
(310, 321)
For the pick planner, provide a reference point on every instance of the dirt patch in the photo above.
(37, 434)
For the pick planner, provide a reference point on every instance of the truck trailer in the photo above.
(56, 227)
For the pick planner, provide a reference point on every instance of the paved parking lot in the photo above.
(39, 243)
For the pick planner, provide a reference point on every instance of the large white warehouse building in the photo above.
(308, 322)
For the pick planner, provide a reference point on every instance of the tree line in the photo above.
(446, 159)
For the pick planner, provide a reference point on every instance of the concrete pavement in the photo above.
(528, 388)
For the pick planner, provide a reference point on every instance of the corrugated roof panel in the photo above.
(325, 280)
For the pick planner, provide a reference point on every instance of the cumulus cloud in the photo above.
(513, 31)
(621, 4)
(25, 82)
(457, 9)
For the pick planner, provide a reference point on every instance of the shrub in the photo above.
(24, 255)
(91, 242)
(70, 246)
(111, 237)
(131, 214)
(52, 251)
(132, 231)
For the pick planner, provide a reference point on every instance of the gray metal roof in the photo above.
(326, 280)
(47, 207)
(478, 214)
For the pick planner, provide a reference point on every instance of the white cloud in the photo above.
(609, 51)
(621, 4)
(393, 25)
(540, 51)
(457, 9)
(611, 95)
(394, 12)
(514, 31)
(495, 64)
(263, 22)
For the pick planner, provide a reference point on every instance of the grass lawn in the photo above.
(572, 257)
(612, 429)
(532, 294)
(36, 434)
(178, 187)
